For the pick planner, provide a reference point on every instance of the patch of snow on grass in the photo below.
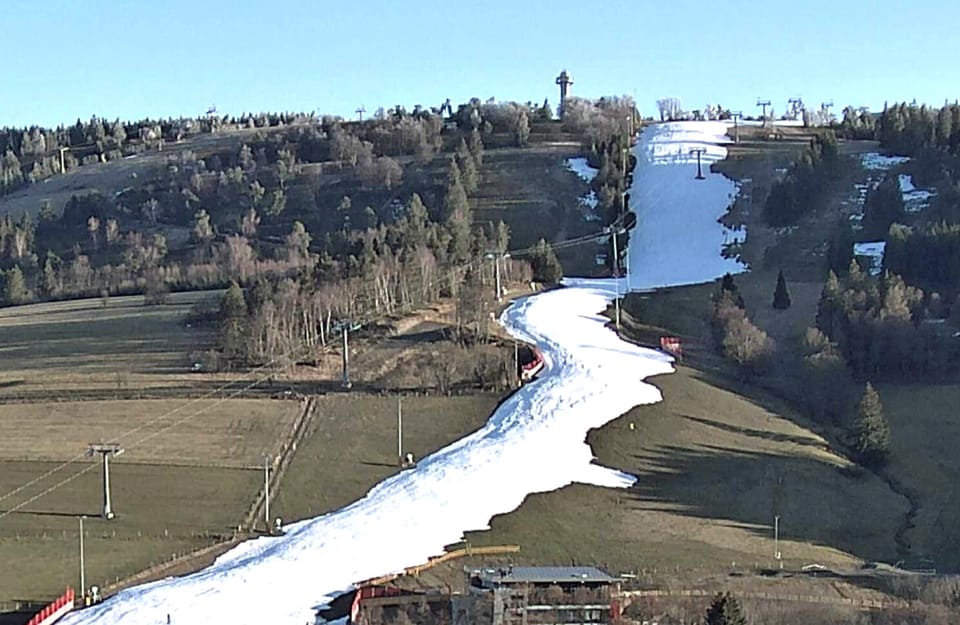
(874, 251)
(914, 199)
(881, 162)
(586, 173)
(581, 167)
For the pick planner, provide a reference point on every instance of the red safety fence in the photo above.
(54, 611)
(369, 592)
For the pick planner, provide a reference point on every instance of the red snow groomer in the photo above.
(532, 366)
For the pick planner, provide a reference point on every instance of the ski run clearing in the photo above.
(534, 442)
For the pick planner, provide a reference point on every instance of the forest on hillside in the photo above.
(330, 219)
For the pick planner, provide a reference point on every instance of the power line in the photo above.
(165, 415)
(90, 467)
(451, 271)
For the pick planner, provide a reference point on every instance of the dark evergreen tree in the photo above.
(884, 206)
(725, 610)
(840, 250)
(781, 298)
(233, 317)
(15, 288)
(546, 266)
(871, 432)
(729, 287)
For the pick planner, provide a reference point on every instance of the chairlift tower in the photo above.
(105, 450)
(796, 107)
(360, 111)
(736, 115)
(763, 104)
(699, 152)
(345, 327)
(825, 108)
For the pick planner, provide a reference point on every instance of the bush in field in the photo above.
(737, 338)
(824, 378)
(725, 610)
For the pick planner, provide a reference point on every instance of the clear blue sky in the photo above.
(130, 59)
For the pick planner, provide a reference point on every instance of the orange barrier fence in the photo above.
(54, 611)
(434, 561)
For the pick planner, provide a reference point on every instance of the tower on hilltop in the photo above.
(564, 81)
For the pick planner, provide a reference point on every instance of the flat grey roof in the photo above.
(544, 575)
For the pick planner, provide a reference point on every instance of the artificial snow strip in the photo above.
(534, 442)
(678, 238)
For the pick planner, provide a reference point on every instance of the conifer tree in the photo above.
(15, 289)
(233, 318)
(725, 610)
(781, 298)
(468, 168)
(871, 432)
(522, 132)
(476, 148)
(546, 266)
(728, 286)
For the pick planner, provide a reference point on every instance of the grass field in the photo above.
(162, 511)
(924, 435)
(84, 345)
(190, 486)
(231, 433)
(714, 468)
(178, 490)
(352, 445)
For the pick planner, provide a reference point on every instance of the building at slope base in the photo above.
(536, 595)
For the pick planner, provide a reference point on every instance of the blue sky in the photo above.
(115, 58)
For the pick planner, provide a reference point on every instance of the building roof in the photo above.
(544, 575)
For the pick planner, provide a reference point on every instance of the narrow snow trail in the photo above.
(534, 442)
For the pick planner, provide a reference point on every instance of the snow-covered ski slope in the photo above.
(534, 442)
(678, 239)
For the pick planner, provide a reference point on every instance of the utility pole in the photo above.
(400, 428)
(346, 383)
(764, 104)
(698, 152)
(776, 539)
(736, 115)
(83, 572)
(496, 257)
(616, 277)
(623, 195)
(516, 362)
(266, 493)
(105, 450)
(63, 163)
